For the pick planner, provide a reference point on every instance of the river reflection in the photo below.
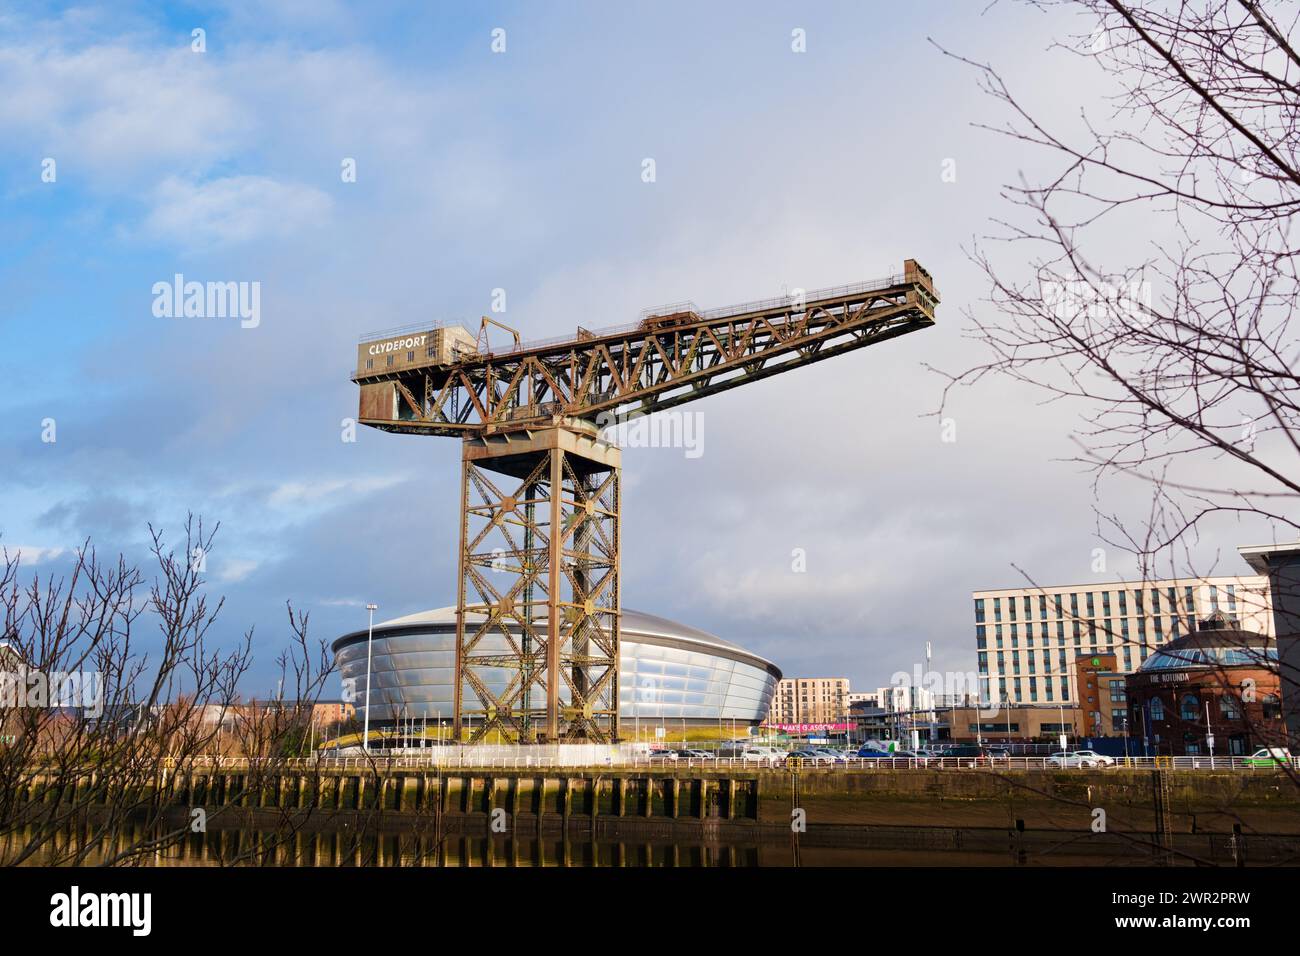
(335, 843)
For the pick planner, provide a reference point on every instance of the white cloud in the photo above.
(302, 492)
(236, 569)
(34, 554)
(233, 210)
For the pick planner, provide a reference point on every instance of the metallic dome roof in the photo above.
(636, 626)
(1213, 648)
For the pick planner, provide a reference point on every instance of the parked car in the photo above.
(1102, 759)
(694, 755)
(869, 753)
(834, 756)
(764, 755)
(965, 755)
(1068, 759)
(663, 755)
(1269, 757)
(815, 757)
(998, 753)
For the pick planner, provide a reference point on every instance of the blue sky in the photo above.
(520, 170)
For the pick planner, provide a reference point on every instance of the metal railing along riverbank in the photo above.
(467, 758)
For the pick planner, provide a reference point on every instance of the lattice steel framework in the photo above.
(538, 598)
(538, 604)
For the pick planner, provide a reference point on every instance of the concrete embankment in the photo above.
(1193, 801)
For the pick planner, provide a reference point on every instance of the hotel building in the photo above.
(1027, 640)
(810, 700)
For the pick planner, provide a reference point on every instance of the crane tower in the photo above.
(537, 605)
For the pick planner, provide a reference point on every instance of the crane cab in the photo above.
(404, 349)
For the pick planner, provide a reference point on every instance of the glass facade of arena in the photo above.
(667, 671)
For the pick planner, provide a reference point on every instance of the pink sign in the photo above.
(809, 728)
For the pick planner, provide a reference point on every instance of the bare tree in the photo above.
(95, 733)
(1177, 349)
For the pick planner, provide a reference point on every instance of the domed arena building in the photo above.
(670, 674)
(1216, 680)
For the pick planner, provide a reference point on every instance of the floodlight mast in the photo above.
(538, 599)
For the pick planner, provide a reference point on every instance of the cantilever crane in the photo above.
(537, 607)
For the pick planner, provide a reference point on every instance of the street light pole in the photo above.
(1209, 733)
(370, 640)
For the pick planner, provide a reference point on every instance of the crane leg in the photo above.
(537, 613)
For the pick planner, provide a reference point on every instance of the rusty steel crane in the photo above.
(537, 604)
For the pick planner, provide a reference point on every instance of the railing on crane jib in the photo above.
(706, 315)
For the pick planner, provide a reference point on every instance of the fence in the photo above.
(588, 756)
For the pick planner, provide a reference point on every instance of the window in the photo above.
(390, 361)
(979, 610)
(1157, 709)
(1091, 609)
(1230, 707)
(1272, 707)
(370, 363)
(410, 356)
(1190, 708)
(997, 609)
(981, 641)
(429, 352)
